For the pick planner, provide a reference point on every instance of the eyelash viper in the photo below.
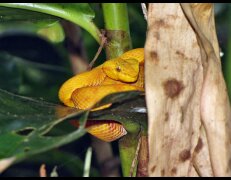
(124, 73)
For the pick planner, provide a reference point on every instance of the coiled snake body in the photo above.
(124, 73)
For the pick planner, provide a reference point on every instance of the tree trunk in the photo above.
(188, 105)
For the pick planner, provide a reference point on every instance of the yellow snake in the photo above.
(124, 73)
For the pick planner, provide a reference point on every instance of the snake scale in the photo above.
(124, 73)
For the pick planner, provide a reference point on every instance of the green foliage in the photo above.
(78, 13)
(53, 33)
(34, 63)
(31, 78)
(25, 124)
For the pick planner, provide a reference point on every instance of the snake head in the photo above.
(125, 70)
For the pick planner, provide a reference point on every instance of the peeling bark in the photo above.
(142, 169)
(188, 105)
(215, 106)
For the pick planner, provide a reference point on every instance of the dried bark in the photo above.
(142, 168)
(188, 105)
(215, 106)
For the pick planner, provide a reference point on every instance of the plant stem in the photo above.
(87, 163)
(117, 29)
(115, 16)
(119, 41)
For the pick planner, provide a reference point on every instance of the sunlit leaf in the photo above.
(78, 13)
(53, 33)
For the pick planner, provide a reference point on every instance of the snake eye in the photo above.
(118, 69)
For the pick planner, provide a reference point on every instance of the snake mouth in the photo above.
(128, 78)
(122, 76)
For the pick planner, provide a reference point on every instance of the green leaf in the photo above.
(24, 123)
(78, 13)
(25, 21)
(53, 33)
(21, 20)
(11, 71)
(9, 15)
(30, 78)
